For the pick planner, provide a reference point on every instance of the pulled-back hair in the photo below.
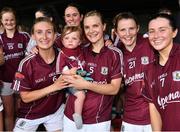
(170, 18)
(43, 19)
(95, 13)
(124, 15)
(7, 9)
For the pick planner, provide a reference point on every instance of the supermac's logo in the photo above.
(144, 60)
(176, 75)
(104, 70)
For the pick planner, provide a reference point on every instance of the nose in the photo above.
(127, 32)
(71, 18)
(44, 35)
(156, 34)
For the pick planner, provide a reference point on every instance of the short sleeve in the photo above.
(22, 78)
(117, 67)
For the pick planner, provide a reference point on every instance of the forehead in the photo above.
(71, 10)
(90, 20)
(72, 33)
(8, 14)
(43, 25)
(126, 22)
(159, 22)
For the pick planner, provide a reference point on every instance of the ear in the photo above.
(33, 37)
(175, 33)
(116, 33)
(55, 36)
(81, 17)
(104, 27)
(51, 19)
(138, 27)
(80, 42)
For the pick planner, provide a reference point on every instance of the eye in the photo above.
(68, 15)
(86, 27)
(74, 38)
(132, 28)
(150, 31)
(49, 32)
(38, 31)
(66, 38)
(162, 30)
(75, 14)
(122, 30)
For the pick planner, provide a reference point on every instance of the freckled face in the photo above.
(8, 21)
(44, 35)
(161, 33)
(94, 28)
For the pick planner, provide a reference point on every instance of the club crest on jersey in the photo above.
(20, 45)
(176, 75)
(144, 60)
(104, 70)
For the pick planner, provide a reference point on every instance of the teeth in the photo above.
(157, 41)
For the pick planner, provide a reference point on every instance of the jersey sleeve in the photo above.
(22, 78)
(1, 41)
(26, 38)
(147, 90)
(60, 63)
(117, 66)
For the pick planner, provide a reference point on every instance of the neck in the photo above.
(164, 54)
(10, 33)
(98, 46)
(47, 55)
(130, 48)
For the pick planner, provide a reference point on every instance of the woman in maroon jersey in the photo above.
(163, 76)
(137, 54)
(1, 105)
(36, 80)
(14, 46)
(106, 74)
(44, 11)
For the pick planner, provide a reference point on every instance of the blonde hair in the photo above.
(43, 19)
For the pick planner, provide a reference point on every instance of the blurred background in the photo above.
(109, 8)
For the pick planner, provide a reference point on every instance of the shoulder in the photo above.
(175, 52)
(116, 52)
(26, 61)
(25, 34)
(114, 49)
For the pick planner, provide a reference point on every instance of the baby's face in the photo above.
(71, 40)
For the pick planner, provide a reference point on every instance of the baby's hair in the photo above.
(69, 29)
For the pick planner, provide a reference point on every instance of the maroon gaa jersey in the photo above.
(70, 58)
(136, 110)
(104, 67)
(33, 74)
(14, 51)
(163, 89)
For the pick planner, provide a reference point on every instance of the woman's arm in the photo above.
(106, 89)
(156, 121)
(29, 96)
(1, 56)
